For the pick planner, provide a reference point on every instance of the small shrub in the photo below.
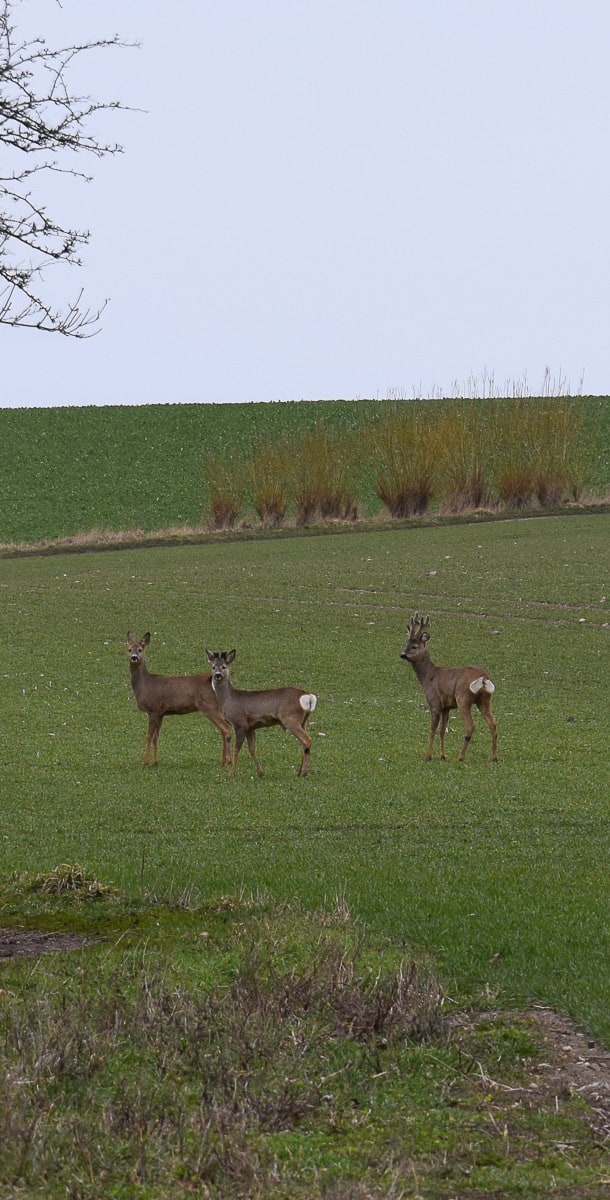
(537, 445)
(323, 477)
(224, 509)
(269, 472)
(225, 491)
(406, 445)
(465, 458)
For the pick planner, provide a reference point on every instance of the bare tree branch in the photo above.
(44, 121)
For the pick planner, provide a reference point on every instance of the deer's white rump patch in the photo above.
(308, 702)
(482, 685)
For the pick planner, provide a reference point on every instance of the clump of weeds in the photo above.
(257, 1050)
(323, 476)
(537, 453)
(405, 445)
(269, 475)
(71, 879)
(225, 488)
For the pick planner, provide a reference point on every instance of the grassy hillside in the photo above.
(500, 871)
(296, 988)
(65, 470)
(69, 470)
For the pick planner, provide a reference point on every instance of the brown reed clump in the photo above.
(537, 455)
(323, 476)
(406, 446)
(225, 491)
(465, 459)
(268, 472)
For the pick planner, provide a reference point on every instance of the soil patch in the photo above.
(577, 1066)
(29, 943)
(573, 1065)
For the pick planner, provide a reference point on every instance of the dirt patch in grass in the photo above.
(573, 1065)
(29, 943)
(577, 1066)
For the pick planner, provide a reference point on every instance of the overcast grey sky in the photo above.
(335, 198)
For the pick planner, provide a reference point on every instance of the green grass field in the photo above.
(263, 1017)
(499, 871)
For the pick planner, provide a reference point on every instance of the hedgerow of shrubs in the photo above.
(453, 457)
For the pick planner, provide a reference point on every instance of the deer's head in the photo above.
(220, 661)
(418, 634)
(136, 648)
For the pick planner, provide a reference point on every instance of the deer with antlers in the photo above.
(248, 711)
(162, 696)
(449, 687)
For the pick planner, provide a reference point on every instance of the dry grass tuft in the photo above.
(130, 1073)
(71, 880)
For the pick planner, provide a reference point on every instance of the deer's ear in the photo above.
(210, 655)
(146, 639)
(229, 656)
(424, 637)
(130, 637)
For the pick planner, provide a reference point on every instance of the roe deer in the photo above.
(162, 696)
(449, 687)
(249, 711)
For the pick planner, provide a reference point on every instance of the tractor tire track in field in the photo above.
(450, 611)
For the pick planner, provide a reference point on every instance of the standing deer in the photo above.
(162, 696)
(248, 711)
(449, 687)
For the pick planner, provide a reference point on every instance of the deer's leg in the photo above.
(486, 713)
(298, 729)
(147, 749)
(251, 739)
(442, 731)
(240, 735)
(225, 729)
(434, 720)
(152, 737)
(466, 716)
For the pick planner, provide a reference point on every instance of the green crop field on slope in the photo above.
(65, 471)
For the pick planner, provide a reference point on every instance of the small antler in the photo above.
(418, 625)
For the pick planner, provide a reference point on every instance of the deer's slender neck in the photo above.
(139, 675)
(424, 669)
(223, 690)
